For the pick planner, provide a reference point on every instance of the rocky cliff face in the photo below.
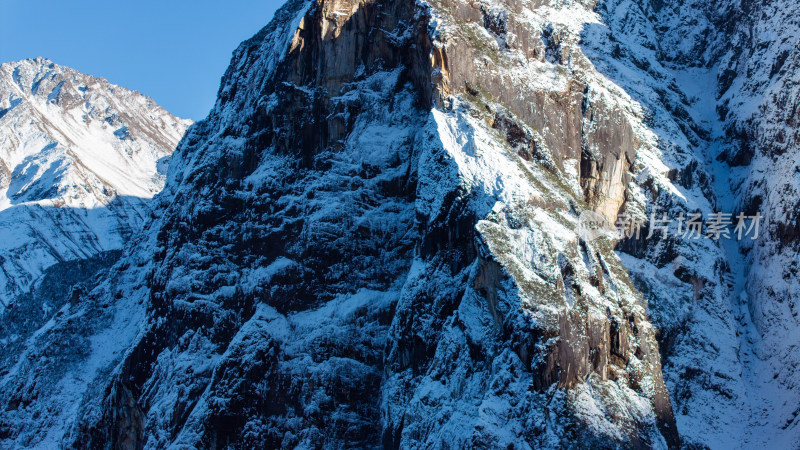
(717, 81)
(375, 239)
(758, 106)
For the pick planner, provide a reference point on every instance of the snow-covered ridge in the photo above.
(371, 241)
(79, 159)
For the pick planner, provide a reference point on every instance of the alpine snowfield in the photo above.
(80, 159)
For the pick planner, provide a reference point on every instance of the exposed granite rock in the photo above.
(374, 240)
(323, 197)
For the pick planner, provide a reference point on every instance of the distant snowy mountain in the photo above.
(80, 160)
(377, 239)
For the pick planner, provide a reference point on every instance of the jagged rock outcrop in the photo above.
(375, 239)
(365, 169)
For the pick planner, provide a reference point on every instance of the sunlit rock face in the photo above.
(374, 240)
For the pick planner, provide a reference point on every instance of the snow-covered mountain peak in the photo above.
(77, 140)
(376, 239)
(79, 159)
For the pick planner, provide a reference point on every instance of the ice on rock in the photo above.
(375, 239)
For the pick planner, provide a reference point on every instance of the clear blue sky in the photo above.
(172, 50)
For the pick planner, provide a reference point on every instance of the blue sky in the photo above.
(172, 50)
